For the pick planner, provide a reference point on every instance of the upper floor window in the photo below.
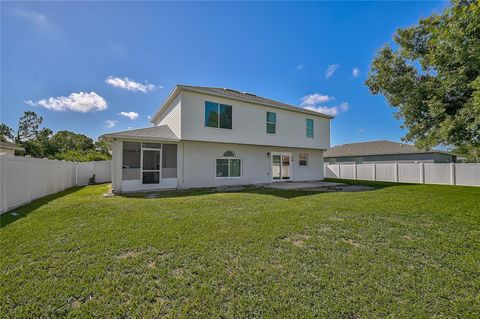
(218, 115)
(309, 127)
(271, 122)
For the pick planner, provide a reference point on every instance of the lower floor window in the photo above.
(228, 167)
(303, 159)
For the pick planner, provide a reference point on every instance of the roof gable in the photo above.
(162, 132)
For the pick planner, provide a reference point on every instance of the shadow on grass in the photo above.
(23, 211)
(260, 190)
(375, 184)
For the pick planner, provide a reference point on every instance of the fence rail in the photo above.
(23, 179)
(466, 174)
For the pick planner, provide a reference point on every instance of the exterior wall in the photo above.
(172, 116)
(400, 158)
(117, 155)
(249, 124)
(198, 166)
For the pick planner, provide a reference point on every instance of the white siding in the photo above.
(117, 158)
(248, 126)
(198, 164)
(171, 116)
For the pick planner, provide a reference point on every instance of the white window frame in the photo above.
(267, 122)
(218, 116)
(229, 158)
(308, 128)
(306, 158)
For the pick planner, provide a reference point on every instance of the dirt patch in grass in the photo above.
(177, 273)
(351, 242)
(297, 239)
(129, 254)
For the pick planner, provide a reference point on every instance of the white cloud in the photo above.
(299, 67)
(149, 117)
(330, 110)
(130, 85)
(33, 17)
(111, 123)
(356, 72)
(343, 107)
(77, 102)
(331, 69)
(314, 99)
(130, 115)
(361, 130)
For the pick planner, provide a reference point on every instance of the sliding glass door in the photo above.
(281, 166)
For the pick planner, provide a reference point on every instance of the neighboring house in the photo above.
(10, 148)
(384, 152)
(205, 137)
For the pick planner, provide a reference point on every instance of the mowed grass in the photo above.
(403, 251)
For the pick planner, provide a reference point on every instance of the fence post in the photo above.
(395, 173)
(374, 171)
(339, 175)
(452, 174)
(76, 173)
(422, 174)
(3, 186)
(355, 171)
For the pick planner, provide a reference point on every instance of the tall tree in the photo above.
(6, 133)
(433, 77)
(28, 126)
(64, 141)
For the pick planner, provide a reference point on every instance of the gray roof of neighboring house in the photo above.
(376, 148)
(162, 132)
(11, 146)
(243, 96)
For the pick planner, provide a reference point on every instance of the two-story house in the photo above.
(207, 137)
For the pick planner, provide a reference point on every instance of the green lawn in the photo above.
(397, 251)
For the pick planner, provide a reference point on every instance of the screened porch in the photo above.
(147, 165)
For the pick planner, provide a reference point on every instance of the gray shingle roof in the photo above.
(375, 148)
(162, 132)
(250, 97)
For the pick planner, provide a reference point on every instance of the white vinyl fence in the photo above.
(467, 174)
(23, 179)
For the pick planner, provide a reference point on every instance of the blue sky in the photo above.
(80, 65)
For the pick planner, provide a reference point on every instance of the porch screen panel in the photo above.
(131, 161)
(169, 161)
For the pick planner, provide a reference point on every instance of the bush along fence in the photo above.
(466, 174)
(23, 179)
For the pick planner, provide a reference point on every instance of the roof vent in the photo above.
(247, 93)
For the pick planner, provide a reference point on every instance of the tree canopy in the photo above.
(432, 77)
(62, 145)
